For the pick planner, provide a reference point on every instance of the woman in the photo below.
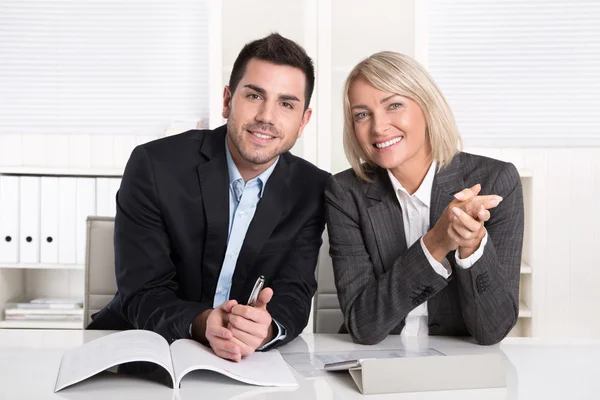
(425, 239)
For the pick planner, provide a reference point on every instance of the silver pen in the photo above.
(256, 291)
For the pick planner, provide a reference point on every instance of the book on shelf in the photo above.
(177, 359)
(45, 303)
(33, 317)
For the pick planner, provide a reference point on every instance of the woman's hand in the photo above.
(461, 225)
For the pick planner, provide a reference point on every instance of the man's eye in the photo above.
(287, 105)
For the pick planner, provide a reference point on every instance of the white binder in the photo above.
(49, 221)
(86, 206)
(423, 374)
(9, 219)
(67, 220)
(29, 239)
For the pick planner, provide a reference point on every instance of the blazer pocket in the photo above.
(276, 247)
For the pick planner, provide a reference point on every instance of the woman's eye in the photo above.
(360, 115)
(395, 106)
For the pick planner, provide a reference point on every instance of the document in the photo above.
(178, 359)
(347, 359)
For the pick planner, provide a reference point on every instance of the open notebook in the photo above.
(181, 357)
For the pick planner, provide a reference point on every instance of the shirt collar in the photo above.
(234, 173)
(423, 193)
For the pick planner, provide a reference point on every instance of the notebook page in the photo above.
(261, 368)
(91, 358)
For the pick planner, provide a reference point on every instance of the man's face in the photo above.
(265, 115)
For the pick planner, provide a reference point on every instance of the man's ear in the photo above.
(226, 102)
(305, 118)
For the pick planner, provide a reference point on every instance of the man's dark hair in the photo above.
(277, 50)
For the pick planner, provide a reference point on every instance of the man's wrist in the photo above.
(199, 327)
(270, 334)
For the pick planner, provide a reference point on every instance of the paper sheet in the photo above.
(310, 365)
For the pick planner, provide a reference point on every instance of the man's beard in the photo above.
(261, 156)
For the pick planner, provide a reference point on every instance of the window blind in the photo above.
(519, 72)
(101, 66)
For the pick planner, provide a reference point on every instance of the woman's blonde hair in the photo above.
(397, 73)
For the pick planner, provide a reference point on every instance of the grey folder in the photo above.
(421, 374)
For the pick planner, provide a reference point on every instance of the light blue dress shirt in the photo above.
(243, 199)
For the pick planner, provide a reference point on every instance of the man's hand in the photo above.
(210, 326)
(252, 326)
(461, 225)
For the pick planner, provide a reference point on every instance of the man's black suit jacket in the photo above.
(171, 233)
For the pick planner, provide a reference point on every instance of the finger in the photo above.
(468, 193)
(248, 340)
(488, 202)
(264, 297)
(483, 215)
(215, 330)
(228, 305)
(235, 357)
(464, 220)
(230, 347)
(462, 232)
(259, 315)
(249, 326)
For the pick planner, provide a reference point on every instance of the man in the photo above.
(201, 215)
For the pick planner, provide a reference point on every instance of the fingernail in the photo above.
(459, 195)
(481, 213)
(494, 202)
(456, 211)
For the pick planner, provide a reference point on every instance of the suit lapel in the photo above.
(446, 183)
(268, 213)
(214, 185)
(386, 218)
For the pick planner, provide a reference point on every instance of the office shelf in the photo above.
(42, 266)
(51, 171)
(31, 324)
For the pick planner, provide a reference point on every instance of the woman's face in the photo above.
(390, 128)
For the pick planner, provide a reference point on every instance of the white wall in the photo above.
(564, 183)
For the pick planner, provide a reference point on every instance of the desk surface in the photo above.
(29, 361)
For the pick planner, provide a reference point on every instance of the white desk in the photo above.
(29, 362)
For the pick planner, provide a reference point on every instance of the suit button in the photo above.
(434, 326)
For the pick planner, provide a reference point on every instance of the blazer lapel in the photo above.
(214, 185)
(385, 214)
(269, 212)
(446, 183)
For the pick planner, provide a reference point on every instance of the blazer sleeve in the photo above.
(295, 284)
(372, 305)
(146, 276)
(489, 290)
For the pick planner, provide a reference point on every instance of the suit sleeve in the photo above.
(295, 284)
(372, 305)
(489, 290)
(146, 276)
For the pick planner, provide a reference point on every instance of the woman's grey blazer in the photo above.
(379, 280)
